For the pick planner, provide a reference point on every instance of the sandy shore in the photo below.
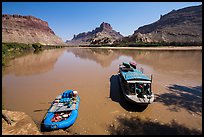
(153, 48)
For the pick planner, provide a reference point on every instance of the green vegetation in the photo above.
(37, 46)
(144, 44)
(155, 44)
(12, 50)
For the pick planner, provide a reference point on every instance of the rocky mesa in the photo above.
(182, 26)
(100, 35)
(28, 30)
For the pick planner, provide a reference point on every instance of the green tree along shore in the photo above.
(157, 44)
(12, 50)
(144, 44)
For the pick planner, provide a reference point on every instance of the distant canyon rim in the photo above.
(182, 26)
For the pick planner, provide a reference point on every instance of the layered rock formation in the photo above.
(183, 25)
(101, 35)
(28, 30)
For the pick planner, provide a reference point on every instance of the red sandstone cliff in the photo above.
(27, 29)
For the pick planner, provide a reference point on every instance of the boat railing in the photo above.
(141, 75)
(141, 69)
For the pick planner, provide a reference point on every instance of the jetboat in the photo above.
(135, 85)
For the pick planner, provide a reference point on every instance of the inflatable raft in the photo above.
(63, 111)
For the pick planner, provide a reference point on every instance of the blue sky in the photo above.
(69, 18)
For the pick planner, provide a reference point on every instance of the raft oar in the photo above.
(37, 110)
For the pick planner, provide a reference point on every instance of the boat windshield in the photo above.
(139, 88)
(132, 88)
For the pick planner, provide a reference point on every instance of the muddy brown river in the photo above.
(30, 82)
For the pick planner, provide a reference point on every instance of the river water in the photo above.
(30, 82)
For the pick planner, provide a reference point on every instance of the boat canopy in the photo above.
(135, 75)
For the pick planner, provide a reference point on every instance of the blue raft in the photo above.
(63, 111)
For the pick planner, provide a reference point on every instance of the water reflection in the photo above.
(100, 56)
(33, 63)
(164, 61)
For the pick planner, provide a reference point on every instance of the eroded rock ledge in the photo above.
(22, 124)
